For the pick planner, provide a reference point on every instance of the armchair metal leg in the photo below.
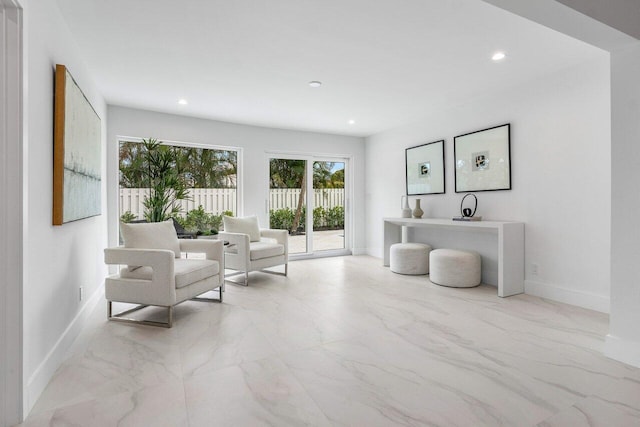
(119, 317)
(246, 278)
(277, 273)
(246, 275)
(203, 299)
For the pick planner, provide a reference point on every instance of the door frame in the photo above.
(11, 211)
(348, 189)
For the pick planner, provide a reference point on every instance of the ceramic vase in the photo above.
(406, 210)
(417, 211)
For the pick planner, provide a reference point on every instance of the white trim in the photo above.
(52, 361)
(11, 211)
(124, 138)
(623, 350)
(377, 252)
(568, 296)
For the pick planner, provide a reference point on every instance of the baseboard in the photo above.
(567, 296)
(374, 252)
(43, 374)
(623, 350)
(359, 251)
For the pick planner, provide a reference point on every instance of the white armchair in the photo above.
(154, 274)
(251, 248)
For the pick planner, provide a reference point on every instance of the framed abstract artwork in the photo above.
(77, 146)
(483, 160)
(425, 169)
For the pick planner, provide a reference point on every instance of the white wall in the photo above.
(57, 260)
(623, 341)
(621, 14)
(11, 34)
(560, 151)
(254, 142)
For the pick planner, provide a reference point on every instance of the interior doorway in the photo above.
(11, 170)
(308, 195)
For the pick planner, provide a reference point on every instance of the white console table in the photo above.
(510, 245)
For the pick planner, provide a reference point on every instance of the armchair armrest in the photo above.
(160, 290)
(241, 240)
(239, 256)
(212, 249)
(160, 260)
(281, 236)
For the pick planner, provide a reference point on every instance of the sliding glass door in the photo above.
(328, 207)
(288, 200)
(307, 197)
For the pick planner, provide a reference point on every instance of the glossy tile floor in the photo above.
(343, 341)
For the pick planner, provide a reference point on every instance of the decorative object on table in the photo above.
(483, 160)
(425, 169)
(77, 147)
(406, 210)
(417, 211)
(467, 214)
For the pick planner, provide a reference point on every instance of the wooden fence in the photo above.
(218, 200)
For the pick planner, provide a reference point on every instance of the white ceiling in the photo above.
(383, 63)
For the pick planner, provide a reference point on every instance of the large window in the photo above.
(198, 185)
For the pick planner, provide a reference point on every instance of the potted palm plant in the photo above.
(160, 176)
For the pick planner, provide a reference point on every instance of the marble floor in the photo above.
(343, 341)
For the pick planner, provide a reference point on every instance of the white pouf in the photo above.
(409, 258)
(454, 268)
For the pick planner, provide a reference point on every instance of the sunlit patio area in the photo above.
(322, 241)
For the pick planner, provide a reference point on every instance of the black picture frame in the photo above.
(482, 160)
(425, 169)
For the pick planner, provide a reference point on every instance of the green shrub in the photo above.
(180, 220)
(322, 218)
(127, 217)
(281, 219)
(319, 217)
(335, 217)
(202, 222)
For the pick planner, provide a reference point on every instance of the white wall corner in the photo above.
(623, 350)
(45, 371)
(568, 296)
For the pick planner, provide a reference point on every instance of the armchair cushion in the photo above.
(247, 225)
(157, 235)
(261, 250)
(187, 271)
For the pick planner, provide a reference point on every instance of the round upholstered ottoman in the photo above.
(409, 258)
(454, 268)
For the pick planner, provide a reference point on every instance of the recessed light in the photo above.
(315, 83)
(352, 122)
(182, 101)
(498, 56)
